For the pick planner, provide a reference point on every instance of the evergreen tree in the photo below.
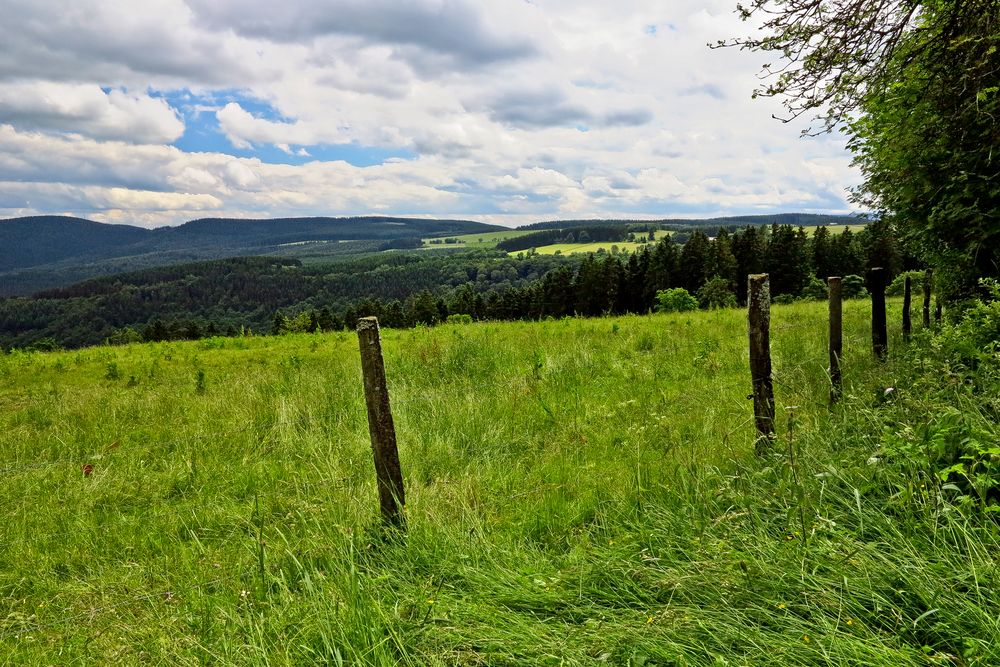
(788, 260)
(750, 251)
(694, 262)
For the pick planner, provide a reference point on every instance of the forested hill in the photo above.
(49, 251)
(793, 219)
(279, 294)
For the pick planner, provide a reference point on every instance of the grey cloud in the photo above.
(537, 109)
(620, 183)
(709, 89)
(436, 146)
(550, 108)
(628, 118)
(86, 41)
(456, 29)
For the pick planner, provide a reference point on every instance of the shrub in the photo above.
(675, 300)
(459, 318)
(853, 287)
(815, 290)
(716, 294)
(896, 287)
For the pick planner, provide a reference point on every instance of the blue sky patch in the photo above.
(202, 133)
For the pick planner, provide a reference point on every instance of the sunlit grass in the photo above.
(579, 492)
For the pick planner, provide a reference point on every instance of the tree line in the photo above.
(275, 295)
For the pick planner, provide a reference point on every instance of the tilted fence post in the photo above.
(907, 299)
(759, 328)
(836, 336)
(928, 285)
(880, 334)
(391, 497)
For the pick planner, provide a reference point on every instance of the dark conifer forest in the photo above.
(273, 295)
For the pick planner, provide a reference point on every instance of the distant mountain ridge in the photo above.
(793, 219)
(45, 252)
(42, 252)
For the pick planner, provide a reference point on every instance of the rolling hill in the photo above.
(51, 251)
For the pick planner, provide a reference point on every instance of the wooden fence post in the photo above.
(928, 283)
(759, 327)
(907, 298)
(880, 335)
(937, 309)
(836, 336)
(391, 497)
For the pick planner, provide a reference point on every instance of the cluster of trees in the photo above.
(279, 295)
(711, 271)
(916, 86)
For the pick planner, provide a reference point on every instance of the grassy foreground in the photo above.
(579, 492)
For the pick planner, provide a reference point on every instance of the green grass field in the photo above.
(570, 248)
(838, 229)
(484, 240)
(579, 492)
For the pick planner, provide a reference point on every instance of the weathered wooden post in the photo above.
(391, 497)
(880, 334)
(836, 336)
(907, 297)
(928, 283)
(937, 309)
(759, 326)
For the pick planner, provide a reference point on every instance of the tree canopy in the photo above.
(914, 83)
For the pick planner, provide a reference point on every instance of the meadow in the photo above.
(579, 491)
(480, 240)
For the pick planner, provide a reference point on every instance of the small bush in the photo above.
(112, 372)
(459, 318)
(716, 294)
(815, 290)
(853, 287)
(896, 287)
(675, 300)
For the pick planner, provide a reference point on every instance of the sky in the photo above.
(503, 111)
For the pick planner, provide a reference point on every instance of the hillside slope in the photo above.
(50, 251)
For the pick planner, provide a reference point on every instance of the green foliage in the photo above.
(716, 294)
(816, 290)
(675, 300)
(124, 337)
(897, 285)
(283, 296)
(853, 287)
(914, 83)
(926, 145)
(973, 341)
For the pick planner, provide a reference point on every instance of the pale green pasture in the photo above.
(483, 240)
(624, 246)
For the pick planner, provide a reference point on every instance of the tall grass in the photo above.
(580, 492)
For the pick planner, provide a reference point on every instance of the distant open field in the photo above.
(485, 240)
(569, 248)
(838, 229)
